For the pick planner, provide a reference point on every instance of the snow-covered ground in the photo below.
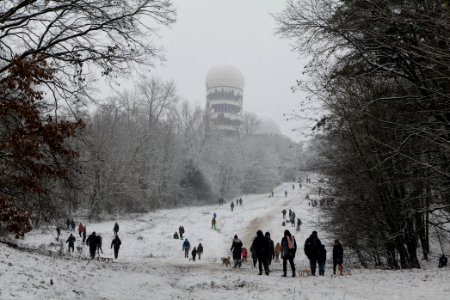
(151, 263)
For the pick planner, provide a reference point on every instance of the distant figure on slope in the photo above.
(232, 205)
(80, 229)
(68, 223)
(312, 245)
(116, 228)
(92, 243)
(284, 213)
(338, 257)
(58, 233)
(236, 249)
(213, 224)
(116, 242)
(321, 259)
(72, 224)
(261, 247)
(293, 187)
(288, 249)
(272, 193)
(299, 222)
(84, 234)
(186, 247)
(442, 261)
(254, 257)
(175, 235)
(99, 244)
(200, 251)
(71, 241)
(194, 253)
(285, 194)
(181, 231)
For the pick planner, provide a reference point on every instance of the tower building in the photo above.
(224, 98)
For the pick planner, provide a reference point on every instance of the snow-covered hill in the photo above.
(151, 264)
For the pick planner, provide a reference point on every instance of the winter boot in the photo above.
(293, 273)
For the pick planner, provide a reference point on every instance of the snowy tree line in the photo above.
(147, 149)
(381, 71)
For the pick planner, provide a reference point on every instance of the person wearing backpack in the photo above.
(288, 249)
(312, 245)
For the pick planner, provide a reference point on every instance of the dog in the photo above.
(226, 261)
(304, 273)
(79, 249)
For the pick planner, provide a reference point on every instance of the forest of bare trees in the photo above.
(380, 69)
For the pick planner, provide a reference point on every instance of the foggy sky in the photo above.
(239, 33)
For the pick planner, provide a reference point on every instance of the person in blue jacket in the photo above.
(186, 248)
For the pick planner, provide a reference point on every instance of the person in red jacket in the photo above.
(244, 254)
(80, 229)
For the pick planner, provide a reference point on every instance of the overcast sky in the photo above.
(239, 33)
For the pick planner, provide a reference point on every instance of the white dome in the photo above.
(225, 76)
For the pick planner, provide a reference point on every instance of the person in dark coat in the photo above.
(116, 242)
(92, 243)
(442, 261)
(194, 253)
(236, 249)
(312, 250)
(84, 234)
(338, 257)
(68, 223)
(288, 250)
(99, 244)
(175, 235)
(261, 247)
(58, 233)
(181, 231)
(71, 241)
(284, 213)
(72, 224)
(200, 251)
(321, 259)
(186, 247)
(116, 228)
(232, 205)
(271, 252)
(254, 257)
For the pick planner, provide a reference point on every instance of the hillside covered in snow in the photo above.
(151, 263)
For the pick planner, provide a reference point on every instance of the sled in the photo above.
(105, 259)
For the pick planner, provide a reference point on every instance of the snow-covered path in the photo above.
(151, 264)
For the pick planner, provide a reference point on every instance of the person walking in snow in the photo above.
(72, 224)
(240, 201)
(232, 205)
(84, 234)
(200, 251)
(284, 213)
(244, 254)
(293, 187)
(236, 249)
(213, 224)
(338, 257)
(261, 247)
(92, 243)
(116, 228)
(321, 259)
(194, 253)
(312, 251)
(285, 194)
(116, 242)
(58, 233)
(68, 223)
(71, 241)
(80, 229)
(176, 236)
(186, 247)
(181, 231)
(99, 244)
(271, 250)
(288, 249)
(299, 222)
(254, 257)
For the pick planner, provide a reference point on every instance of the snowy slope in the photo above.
(151, 264)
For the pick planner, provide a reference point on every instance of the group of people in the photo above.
(238, 202)
(195, 251)
(181, 231)
(94, 241)
(291, 219)
(317, 255)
